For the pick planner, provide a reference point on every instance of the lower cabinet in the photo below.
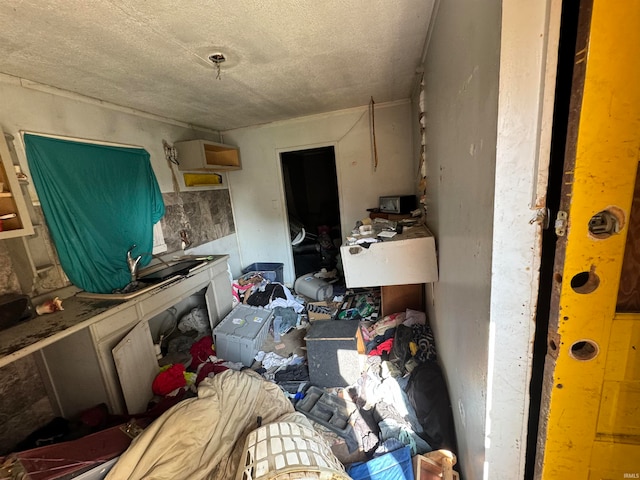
(113, 360)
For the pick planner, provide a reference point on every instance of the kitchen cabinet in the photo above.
(203, 155)
(80, 369)
(13, 207)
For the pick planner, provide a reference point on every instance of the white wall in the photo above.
(461, 83)
(257, 191)
(485, 73)
(42, 109)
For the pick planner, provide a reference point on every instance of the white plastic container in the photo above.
(288, 450)
(312, 287)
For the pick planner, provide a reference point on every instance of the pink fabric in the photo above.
(390, 321)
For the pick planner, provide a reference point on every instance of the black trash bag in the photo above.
(400, 352)
(427, 392)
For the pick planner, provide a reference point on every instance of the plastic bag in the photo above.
(197, 319)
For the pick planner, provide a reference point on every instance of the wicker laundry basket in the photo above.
(288, 450)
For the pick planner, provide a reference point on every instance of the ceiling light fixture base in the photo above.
(217, 59)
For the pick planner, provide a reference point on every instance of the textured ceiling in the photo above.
(285, 58)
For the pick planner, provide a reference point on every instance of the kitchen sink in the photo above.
(132, 292)
(168, 271)
(149, 279)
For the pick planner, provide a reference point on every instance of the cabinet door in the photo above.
(12, 202)
(137, 367)
(74, 373)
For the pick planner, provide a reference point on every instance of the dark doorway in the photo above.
(311, 193)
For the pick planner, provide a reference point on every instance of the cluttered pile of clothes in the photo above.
(402, 387)
(255, 289)
(400, 401)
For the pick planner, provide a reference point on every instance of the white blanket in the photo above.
(203, 438)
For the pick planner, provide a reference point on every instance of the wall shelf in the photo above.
(203, 155)
(11, 198)
(202, 179)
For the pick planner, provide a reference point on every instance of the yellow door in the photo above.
(590, 418)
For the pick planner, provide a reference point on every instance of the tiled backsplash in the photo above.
(202, 216)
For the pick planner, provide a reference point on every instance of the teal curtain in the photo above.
(98, 201)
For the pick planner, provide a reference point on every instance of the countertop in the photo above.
(418, 230)
(31, 335)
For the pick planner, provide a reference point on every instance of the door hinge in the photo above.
(561, 223)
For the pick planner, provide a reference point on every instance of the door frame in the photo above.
(528, 52)
(283, 196)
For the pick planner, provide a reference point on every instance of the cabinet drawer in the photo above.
(115, 322)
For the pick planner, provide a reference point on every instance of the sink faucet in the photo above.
(133, 263)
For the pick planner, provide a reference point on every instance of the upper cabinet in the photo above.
(206, 155)
(14, 215)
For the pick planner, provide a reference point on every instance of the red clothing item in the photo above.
(200, 352)
(167, 381)
(384, 347)
(208, 368)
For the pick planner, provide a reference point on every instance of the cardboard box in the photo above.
(332, 306)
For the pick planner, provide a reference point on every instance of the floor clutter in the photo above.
(288, 382)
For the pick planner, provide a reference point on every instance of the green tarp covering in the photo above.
(98, 201)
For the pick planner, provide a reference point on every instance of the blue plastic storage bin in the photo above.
(394, 465)
(271, 271)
